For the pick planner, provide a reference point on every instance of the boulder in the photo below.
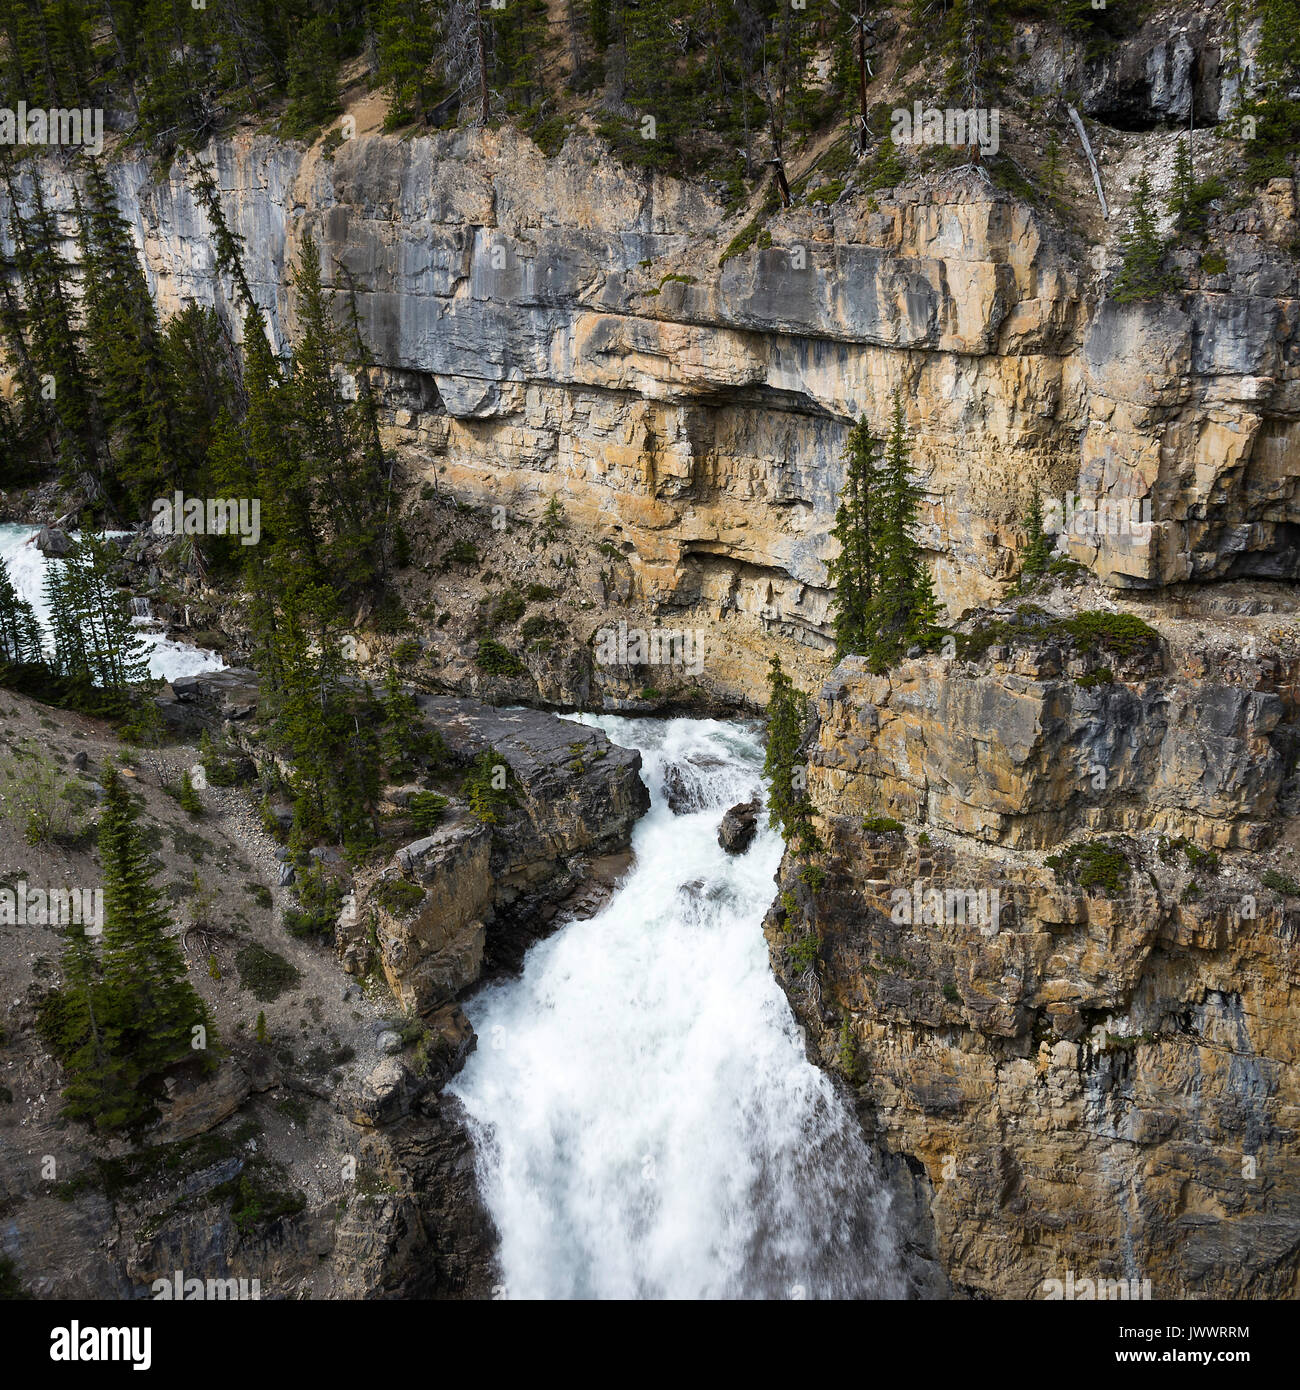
(386, 1094)
(738, 828)
(53, 542)
(193, 1106)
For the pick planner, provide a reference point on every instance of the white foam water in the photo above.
(645, 1119)
(168, 660)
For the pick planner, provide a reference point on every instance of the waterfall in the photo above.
(645, 1120)
(26, 565)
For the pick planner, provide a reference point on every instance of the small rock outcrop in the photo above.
(438, 905)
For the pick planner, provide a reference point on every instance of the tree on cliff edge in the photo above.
(852, 569)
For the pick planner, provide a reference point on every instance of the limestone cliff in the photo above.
(563, 327)
(1090, 1052)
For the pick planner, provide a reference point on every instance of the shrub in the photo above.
(1280, 883)
(320, 897)
(828, 192)
(399, 896)
(803, 953)
(218, 771)
(463, 552)
(1121, 633)
(264, 974)
(882, 825)
(508, 608)
(754, 233)
(1095, 865)
(497, 660)
(427, 809)
(537, 629)
(488, 787)
(1205, 859)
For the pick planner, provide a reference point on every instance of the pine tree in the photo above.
(852, 571)
(1038, 546)
(151, 1010)
(1140, 276)
(904, 611)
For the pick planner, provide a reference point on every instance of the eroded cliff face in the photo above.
(1092, 1053)
(561, 328)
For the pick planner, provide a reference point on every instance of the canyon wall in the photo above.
(562, 328)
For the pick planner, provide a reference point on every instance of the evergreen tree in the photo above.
(852, 570)
(151, 1010)
(121, 1021)
(1038, 545)
(789, 807)
(1140, 276)
(51, 338)
(95, 642)
(125, 345)
(904, 611)
(313, 80)
(786, 712)
(68, 1018)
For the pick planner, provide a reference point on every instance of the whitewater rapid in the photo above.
(645, 1120)
(168, 660)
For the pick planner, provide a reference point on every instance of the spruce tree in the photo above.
(851, 571)
(20, 633)
(125, 345)
(150, 1009)
(97, 1082)
(904, 611)
(1140, 276)
(124, 1017)
(94, 640)
(1038, 545)
(785, 721)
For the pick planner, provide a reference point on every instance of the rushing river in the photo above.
(646, 1122)
(27, 566)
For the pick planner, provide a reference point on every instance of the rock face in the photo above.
(532, 347)
(1020, 753)
(1088, 1053)
(446, 896)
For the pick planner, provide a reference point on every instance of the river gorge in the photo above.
(454, 789)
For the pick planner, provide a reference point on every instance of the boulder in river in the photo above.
(51, 541)
(738, 828)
